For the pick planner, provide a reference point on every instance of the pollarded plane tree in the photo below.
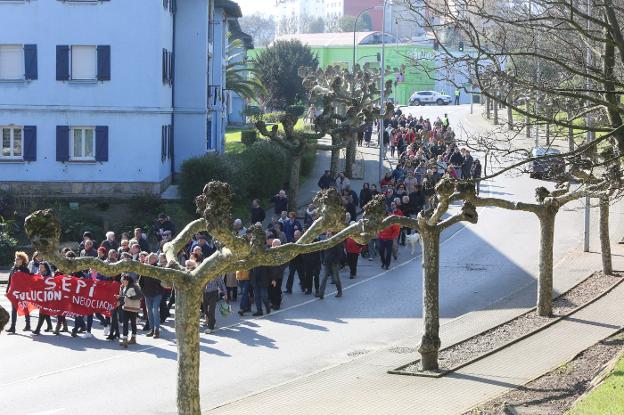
(350, 104)
(234, 253)
(296, 143)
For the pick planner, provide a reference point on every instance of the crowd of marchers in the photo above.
(421, 153)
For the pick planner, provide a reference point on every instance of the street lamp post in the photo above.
(355, 30)
(382, 109)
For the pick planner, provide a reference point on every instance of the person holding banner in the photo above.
(43, 271)
(20, 265)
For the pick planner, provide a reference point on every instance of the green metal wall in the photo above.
(396, 55)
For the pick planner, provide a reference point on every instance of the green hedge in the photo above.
(259, 171)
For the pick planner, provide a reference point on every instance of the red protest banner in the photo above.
(63, 294)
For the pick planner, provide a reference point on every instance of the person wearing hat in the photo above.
(164, 227)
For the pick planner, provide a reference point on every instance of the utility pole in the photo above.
(382, 109)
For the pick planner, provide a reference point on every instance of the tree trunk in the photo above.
(570, 139)
(548, 134)
(510, 121)
(605, 241)
(527, 120)
(293, 182)
(495, 112)
(350, 157)
(488, 106)
(335, 158)
(545, 281)
(188, 302)
(430, 343)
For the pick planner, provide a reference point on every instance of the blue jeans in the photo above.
(152, 304)
(385, 251)
(261, 296)
(244, 302)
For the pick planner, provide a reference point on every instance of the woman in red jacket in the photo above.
(386, 238)
(353, 252)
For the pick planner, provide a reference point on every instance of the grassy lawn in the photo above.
(607, 398)
(233, 142)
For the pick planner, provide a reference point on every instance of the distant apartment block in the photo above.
(109, 97)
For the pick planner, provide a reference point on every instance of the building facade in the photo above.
(430, 74)
(106, 97)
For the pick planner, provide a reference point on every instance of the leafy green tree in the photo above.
(277, 69)
(239, 77)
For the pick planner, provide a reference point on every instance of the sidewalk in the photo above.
(363, 386)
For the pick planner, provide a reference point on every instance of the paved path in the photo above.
(364, 387)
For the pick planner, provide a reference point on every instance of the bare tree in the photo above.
(349, 105)
(296, 143)
(260, 27)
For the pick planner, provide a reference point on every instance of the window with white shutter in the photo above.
(83, 62)
(11, 62)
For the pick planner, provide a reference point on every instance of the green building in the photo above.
(337, 49)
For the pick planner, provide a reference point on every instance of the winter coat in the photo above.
(22, 268)
(150, 286)
(365, 197)
(352, 247)
(260, 277)
(257, 215)
(311, 261)
(390, 232)
(333, 255)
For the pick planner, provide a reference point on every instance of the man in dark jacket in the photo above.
(295, 265)
(467, 165)
(257, 213)
(326, 180)
(261, 279)
(331, 260)
(311, 264)
(281, 202)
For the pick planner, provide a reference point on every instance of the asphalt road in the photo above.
(480, 264)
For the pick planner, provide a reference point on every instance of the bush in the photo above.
(198, 171)
(75, 222)
(259, 170)
(249, 137)
(149, 205)
(8, 243)
(273, 117)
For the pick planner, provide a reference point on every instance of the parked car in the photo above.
(546, 168)
(429, 97)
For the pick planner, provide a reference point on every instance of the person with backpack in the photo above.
(129, 299)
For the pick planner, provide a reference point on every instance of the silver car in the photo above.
(429, 97)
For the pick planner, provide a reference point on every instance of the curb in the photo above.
(439, 374)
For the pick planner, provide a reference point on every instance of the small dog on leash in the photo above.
(413, 239)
